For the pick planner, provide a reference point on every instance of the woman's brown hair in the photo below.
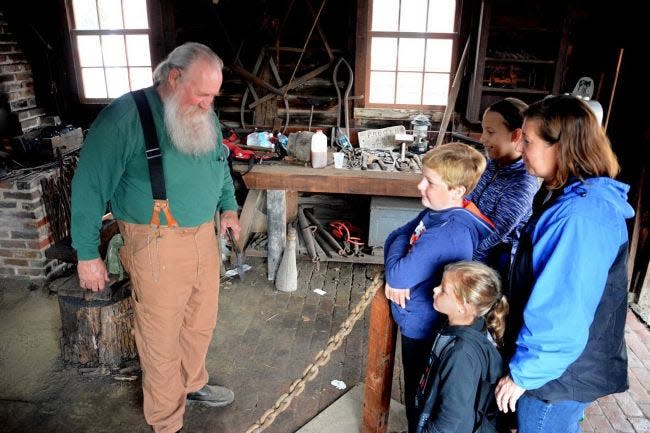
(480, 286)
(583, 148)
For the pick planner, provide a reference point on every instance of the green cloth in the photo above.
(113, 169)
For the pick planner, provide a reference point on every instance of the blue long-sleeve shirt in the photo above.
(415, 256)
(505, 195)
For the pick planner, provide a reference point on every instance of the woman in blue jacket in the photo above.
(568, 288)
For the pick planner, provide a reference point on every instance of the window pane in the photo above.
(135, 14)
(93, 82)
(413, 16)
(117, 80)
(409, 88)
(137, 50)
(411, 54)
(114, 52)
(438, 57)
(85, 14)
(90, 51)
(382, 87)
(140, 78)
(441, 16)
(383, 54)
(110, 14)
(384, 15)
(436, 89)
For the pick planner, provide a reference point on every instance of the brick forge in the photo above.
(25, 231)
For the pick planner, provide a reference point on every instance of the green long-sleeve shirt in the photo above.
(113, 168)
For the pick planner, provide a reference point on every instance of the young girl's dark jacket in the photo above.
(458, 386)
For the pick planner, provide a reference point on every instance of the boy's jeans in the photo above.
(537, 416)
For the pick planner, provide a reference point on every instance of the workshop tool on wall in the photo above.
(344, 104)
(453, 94)
(252, 78)
(239, 255)
(611, 97)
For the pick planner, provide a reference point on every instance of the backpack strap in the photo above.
(154, 160)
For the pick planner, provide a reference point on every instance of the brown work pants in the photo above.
(175, 287)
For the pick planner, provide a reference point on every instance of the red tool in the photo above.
(232, 142)
(349, 234)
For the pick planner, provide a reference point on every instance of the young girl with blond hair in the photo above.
(456, 392)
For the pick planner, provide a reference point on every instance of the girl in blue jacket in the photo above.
(568, 288)
(416, 253)
(456, 393)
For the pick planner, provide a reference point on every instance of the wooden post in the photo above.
(276, 210)
(379, 370)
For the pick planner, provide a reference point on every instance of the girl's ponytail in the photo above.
(496, 319)
(480, 286)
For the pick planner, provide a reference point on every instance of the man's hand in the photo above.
(398, 296)
(507, 393)
(92, 274)
(229, 219)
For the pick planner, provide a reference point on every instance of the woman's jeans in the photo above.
(537, 416)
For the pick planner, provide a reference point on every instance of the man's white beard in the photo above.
(191, 128)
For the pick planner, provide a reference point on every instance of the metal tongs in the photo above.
(238, 254)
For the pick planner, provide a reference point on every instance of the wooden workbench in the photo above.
(283, 181)
(330, 180)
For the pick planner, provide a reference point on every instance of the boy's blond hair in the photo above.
(458, 164)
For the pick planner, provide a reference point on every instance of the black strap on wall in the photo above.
(154, 156)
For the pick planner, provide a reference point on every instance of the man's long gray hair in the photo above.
(182, 57)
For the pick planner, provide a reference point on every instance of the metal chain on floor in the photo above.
(298, 386)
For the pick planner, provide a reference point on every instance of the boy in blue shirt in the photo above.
(447, 231)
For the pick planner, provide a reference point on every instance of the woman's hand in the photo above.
(398, 296)
(507, 394)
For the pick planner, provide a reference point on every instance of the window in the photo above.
(110, 39)
(411, 48)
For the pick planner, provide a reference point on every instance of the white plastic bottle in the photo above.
(318, 149)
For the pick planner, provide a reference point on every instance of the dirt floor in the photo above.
(264, 340)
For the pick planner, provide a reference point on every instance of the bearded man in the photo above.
(174, 266)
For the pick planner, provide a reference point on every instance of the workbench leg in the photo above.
(276, 211)
(249, 212)
(379, 367)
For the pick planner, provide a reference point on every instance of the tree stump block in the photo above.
(97, 327)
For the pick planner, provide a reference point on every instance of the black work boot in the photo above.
(212, 395)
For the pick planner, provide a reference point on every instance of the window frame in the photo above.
(364, 46)
(153, 33)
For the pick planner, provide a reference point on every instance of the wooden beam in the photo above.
(379, 369)
(400, 114)
(330, 180)
(247, 218)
